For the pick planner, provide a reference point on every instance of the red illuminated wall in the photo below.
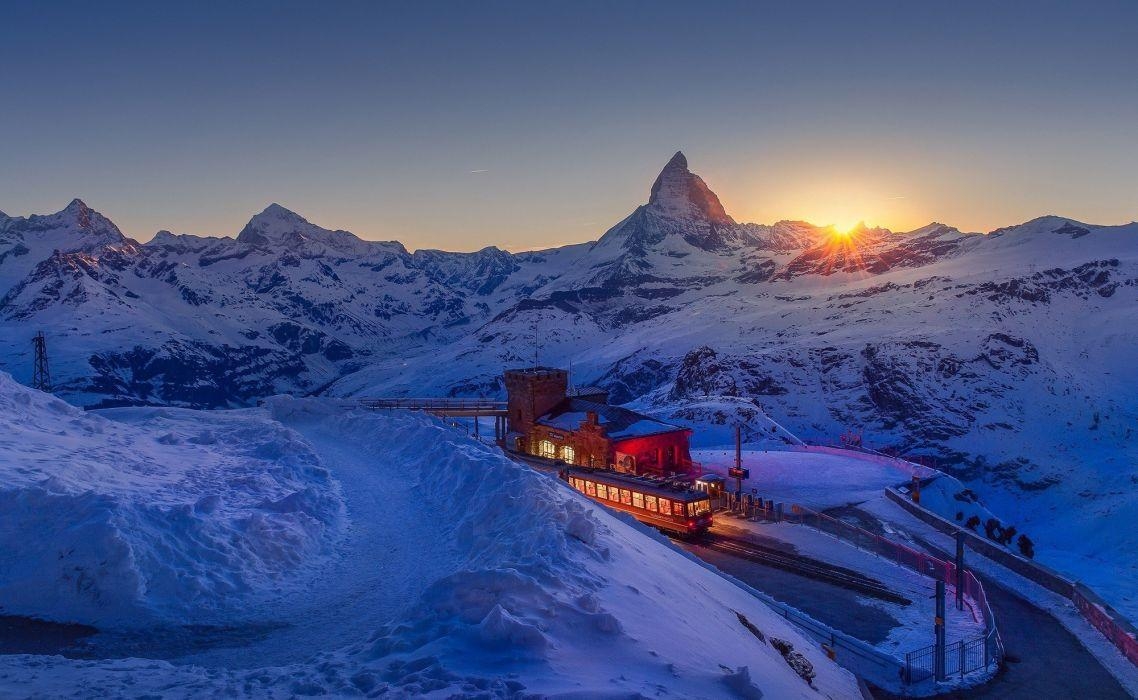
(651, 452)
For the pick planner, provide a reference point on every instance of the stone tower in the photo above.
(531, 393)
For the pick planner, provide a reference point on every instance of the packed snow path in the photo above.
(381, 567)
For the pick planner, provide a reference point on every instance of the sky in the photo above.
(530, 125)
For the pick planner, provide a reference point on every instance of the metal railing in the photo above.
(972, 654)
(434, 404)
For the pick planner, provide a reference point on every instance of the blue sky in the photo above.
(523, 125)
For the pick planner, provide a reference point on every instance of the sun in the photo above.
(844, 229)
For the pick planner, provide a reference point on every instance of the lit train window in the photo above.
(602, 491)
(614, 494)
(626, 497)
(665, 506)
(651, 502)
(545, 449)
(567, 454)
(637, 500)
(590, 488)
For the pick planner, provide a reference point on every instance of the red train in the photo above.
(666, 505)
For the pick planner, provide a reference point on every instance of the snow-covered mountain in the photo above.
(1008, 356)
(285, 307)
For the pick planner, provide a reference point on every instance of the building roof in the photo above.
(619, 423)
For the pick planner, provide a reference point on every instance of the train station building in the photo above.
(547, 419)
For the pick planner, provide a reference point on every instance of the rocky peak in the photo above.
(271, 224)
(75, 227)
(279, 228)
(681, 194)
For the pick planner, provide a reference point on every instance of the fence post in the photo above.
(959, 570)
(941, 652)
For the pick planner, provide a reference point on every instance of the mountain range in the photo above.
(1007, 357)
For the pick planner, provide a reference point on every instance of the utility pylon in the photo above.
(41, 375)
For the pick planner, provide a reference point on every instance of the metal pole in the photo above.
(739, 458)
(939, 651)
(959, 569)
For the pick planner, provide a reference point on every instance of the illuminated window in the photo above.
(626, 497)
(700, 508)
(590, 488)
(567, 454)
(637, 500)
(665, 506)
(650, 501)
(602, 491)
(614, 494)
(545, 449)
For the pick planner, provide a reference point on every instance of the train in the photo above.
(666, 504)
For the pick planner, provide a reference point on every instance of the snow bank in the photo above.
(156, 515)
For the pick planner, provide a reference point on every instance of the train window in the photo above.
(637, 500)
(614, 494)
(626, 497)
(590, 488)
(579, 484)
(545, 449)
(665, 507)
(650, 501)
(602, 491)
(567, 454)
(701, 507)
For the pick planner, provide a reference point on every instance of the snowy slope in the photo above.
(491, 581)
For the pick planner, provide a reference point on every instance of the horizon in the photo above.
(458, 127)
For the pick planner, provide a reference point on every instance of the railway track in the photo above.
(801, 566)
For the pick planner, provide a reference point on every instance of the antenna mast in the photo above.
(41, 375)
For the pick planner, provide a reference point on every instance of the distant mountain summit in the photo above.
(278, 228)
(681, 194)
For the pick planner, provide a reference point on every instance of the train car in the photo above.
(666, 505)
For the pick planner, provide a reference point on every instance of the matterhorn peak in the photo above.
(681, 194)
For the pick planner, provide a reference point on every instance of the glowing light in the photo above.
(844, 229)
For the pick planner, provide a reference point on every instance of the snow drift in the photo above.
(158, 515)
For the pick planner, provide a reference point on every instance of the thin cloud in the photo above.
(475, 172)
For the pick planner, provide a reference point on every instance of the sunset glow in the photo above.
(844, 229)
